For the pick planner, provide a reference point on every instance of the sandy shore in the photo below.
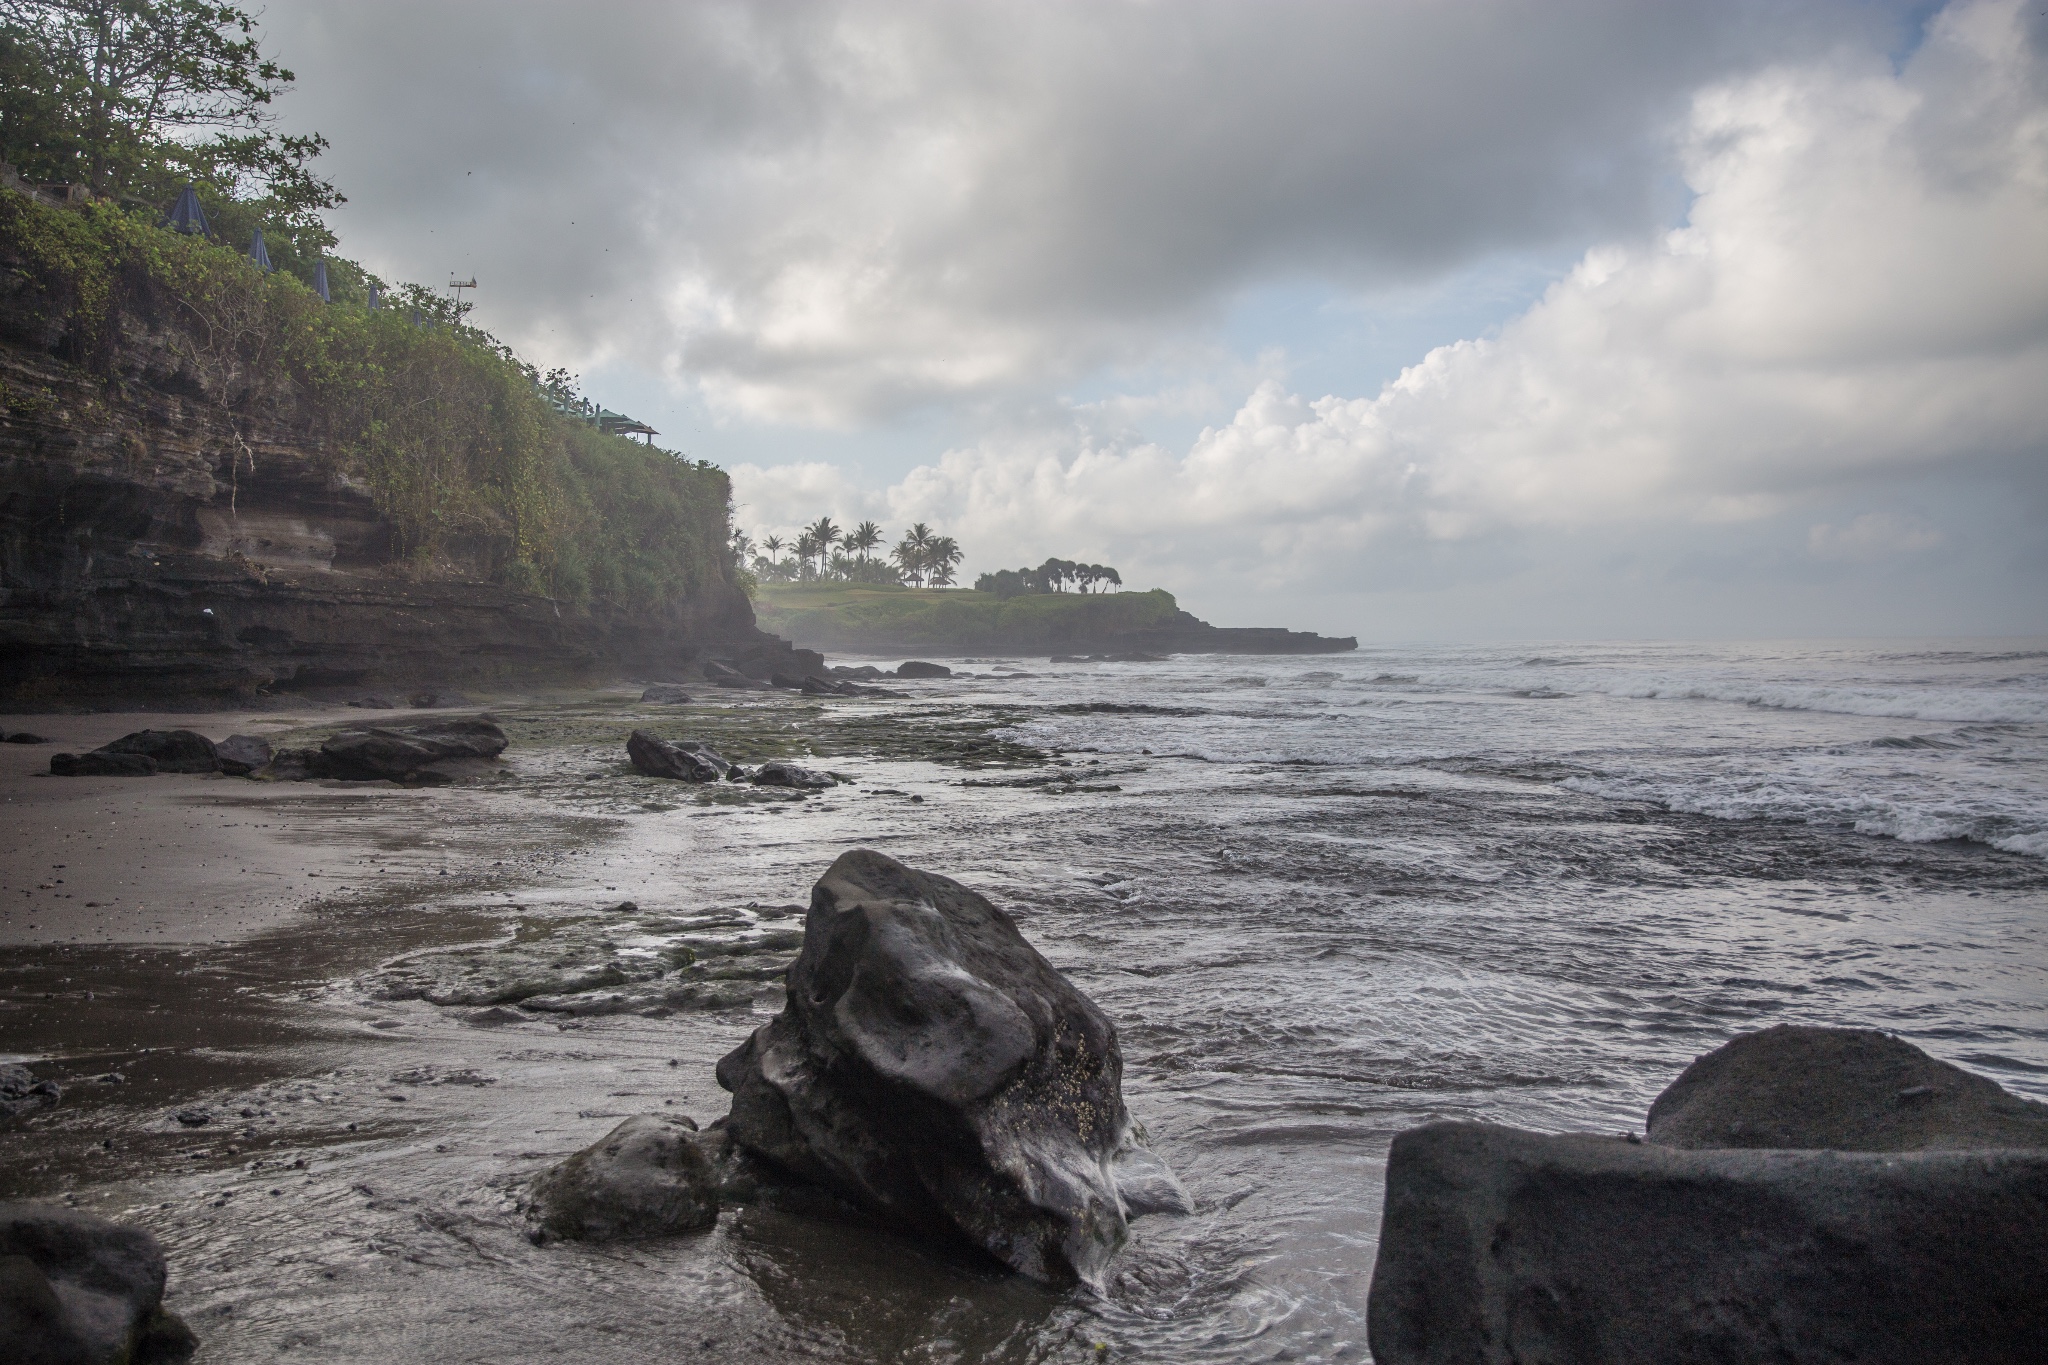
(185, 859)
(334, 1170)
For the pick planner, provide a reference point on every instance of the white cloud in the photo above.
(829, 213)
(1860, 292)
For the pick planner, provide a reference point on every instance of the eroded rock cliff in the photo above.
(176, 522)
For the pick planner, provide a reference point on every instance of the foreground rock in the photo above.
(685, 760)
(1848, 1089)
(1500, 1246)
(932, 1069)
(645, 1178)
(79, 1290)
(1808, 1194)
(405, 752)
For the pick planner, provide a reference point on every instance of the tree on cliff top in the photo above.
(116, 95)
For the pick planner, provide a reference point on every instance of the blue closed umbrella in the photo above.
(186, 215)
(320, 280)
(258, 253)
(376, 297)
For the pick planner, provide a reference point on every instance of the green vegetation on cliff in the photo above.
(852, 616)
(448, 429)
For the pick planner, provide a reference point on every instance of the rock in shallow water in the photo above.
(931, 1068)
(22, 1093)
(1893, 1216)
(645, 1178)
(685, 760)
(779, 773)
(398, 752)
(1849, 1089)
(79, 1290)
(1501, 1246)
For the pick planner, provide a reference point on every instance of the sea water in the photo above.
(1339, 896)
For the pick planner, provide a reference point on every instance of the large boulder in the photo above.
(686, 760)
(1849, 1089)
(173, 751)
(1501, 1246)
(399, 752)
(931, 1068)
(645, 1178)
(79, 1290)
(919, 668)
(1806, 1194)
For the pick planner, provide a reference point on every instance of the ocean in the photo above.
(1336, 897)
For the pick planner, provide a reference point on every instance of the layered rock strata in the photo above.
(151, 549)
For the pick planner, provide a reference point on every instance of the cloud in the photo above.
(1858, 294)
(828, 214)
(1871, 537)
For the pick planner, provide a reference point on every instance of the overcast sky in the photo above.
(1410, 320)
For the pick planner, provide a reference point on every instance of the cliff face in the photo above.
(153, 545)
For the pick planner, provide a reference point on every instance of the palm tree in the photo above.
(911, 552)
(773, 545)
(864, 538)
(742, 545)
(825, 534)
(943, 556)
(806, 550)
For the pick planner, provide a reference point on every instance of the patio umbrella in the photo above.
(320, 280)
(186, 215)
(258, 253)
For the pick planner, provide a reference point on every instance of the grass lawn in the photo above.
(865, 618)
